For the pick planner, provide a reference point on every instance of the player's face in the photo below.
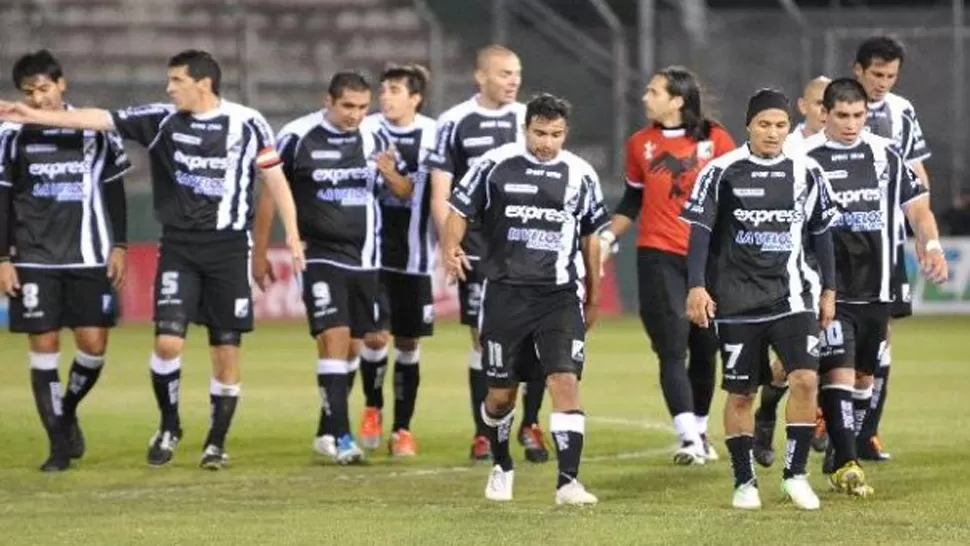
(396, 101)
(501, 78)
(844, 123)
(767, 132)
(348, 110)
(544, 137)
(44, 93)
(810, 106)
(879, 78)
(657, 101)
(186, 93)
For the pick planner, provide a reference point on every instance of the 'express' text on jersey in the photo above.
(759, 211)
(60, 217)
(533, 214)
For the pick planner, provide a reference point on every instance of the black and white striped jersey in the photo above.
(464, 133)
(760, 213)
(59, 214)
(872, 184)
(533, 214)
(335, 182)
(203, 165)
(895, 118)
(408, 238)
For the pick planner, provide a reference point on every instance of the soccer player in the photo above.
(335, 170)
(662, 162)
(408, 252)
(205, 153)
(874, 186)
(62, 205)
(537, 206)
(877, 64)
(810, 106)
(752, 211)
(465, 132)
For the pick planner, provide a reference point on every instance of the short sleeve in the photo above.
(910, 186)
(468, 196)
(915, 149)
(634, 173)
(116, 162)
(6, 158)
(701, 207)
(595, 215)
(442, 156)
(286, 148)
(825, 210)
(141, 123)
(267, 156)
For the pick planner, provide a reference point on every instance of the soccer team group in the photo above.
(790, 242)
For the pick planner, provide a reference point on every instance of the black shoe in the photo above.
(532, 439)
(162, 447)
(58, 460)
(871, 450)
(828, 463)
(75, 440)
(214, 458)
(764, 453)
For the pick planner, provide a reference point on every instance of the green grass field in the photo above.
(275, 492)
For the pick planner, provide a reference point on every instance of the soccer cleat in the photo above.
(574, 494)
(828, 462)
(746, 497)
(800, 492)
(481, 449)
(820, 441)
(347, 451)
(532, 439)
(689, 453)
(872, 450)
(161, 448)
(499, 486)
(764, 453)
(59, 458)
(402, 444)
(325, 445)
(371, 424)
(214, 458)
(710, 454)
(850, 479)
(75, 440)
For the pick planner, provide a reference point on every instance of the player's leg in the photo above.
(373, 367)
(796, 340)
(743, 354)
(412, 317)
(766, 416)
(872, 359)
(470, 301)
(869, 444)
(702, 373)
(37, 313)
(367, 334)
(91, 304)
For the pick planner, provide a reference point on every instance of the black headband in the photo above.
(766, 99)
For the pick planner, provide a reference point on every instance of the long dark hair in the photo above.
(682, 83)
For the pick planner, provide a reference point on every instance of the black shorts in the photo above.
(530, 332)
(51, 299)
(856, 338)
(744, 349)
(662, 287)
(207, 283)
(338, 297)
(470, 296)
(406, 304)
(902, 305)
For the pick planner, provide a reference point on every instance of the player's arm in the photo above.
(94, 119)
(467, 204)
(9, 284)
(700, 211)
(275, 184)
(391, 167)
(630, 204)
(914, 199)
(440, 162)
(826, 210)
(594, 222)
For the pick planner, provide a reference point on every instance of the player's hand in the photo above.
(118, 267)
(387, 162)
(456, 263)
(591, 312)
(263, 274)
(16, 112)
(700, 306)
(826, 308)
(9, 283)
(933, 264)
(296, 251)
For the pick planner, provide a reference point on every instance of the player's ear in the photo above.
(327, 101)
(61, 84)
(480, 77)
(857, 70)
(677, 102)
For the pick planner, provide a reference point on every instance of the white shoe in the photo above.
(746, 497)
(800, 492)
(710, 454)
(573, 493)
(499, 486)
(325, 445)
(690, 453)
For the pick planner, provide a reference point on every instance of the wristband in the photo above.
(934, 244)
(608, 236)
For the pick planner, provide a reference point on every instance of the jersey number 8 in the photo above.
(31, 294)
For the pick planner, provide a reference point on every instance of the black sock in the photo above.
(797, 448)
(771, 396)
(568, 430)
(478, 388)
(166, 387)
(372, 376)
(860, 408)
(499, 428)
(840, 422)
(80, 382)
(880, 383)
(46, 386)
(223, 400)
(332, 378)
(742, 459)
(532, 402)
(407, 377)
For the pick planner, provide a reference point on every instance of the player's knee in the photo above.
(406, 344)
(739, 402)
(377, 341)
(219, 337)
(47, 342)
(802, 383)
(334, 343)
(564, 391)
(168, 347)
(91, 341)
(863, 381)
(672, 365)
(500, 401)
(173, 328)
(476, 342)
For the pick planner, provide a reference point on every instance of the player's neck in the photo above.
(206, 105)
(402, 122)
(488, 103)
(672, 122)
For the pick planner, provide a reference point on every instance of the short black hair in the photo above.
(199, 64)
(548, 107)
(886, 48)
(415, 77)
(38, 63)
(347, 80)
(847, 90)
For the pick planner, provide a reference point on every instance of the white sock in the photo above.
(475, 360)
(701, 421)
(686, 426)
